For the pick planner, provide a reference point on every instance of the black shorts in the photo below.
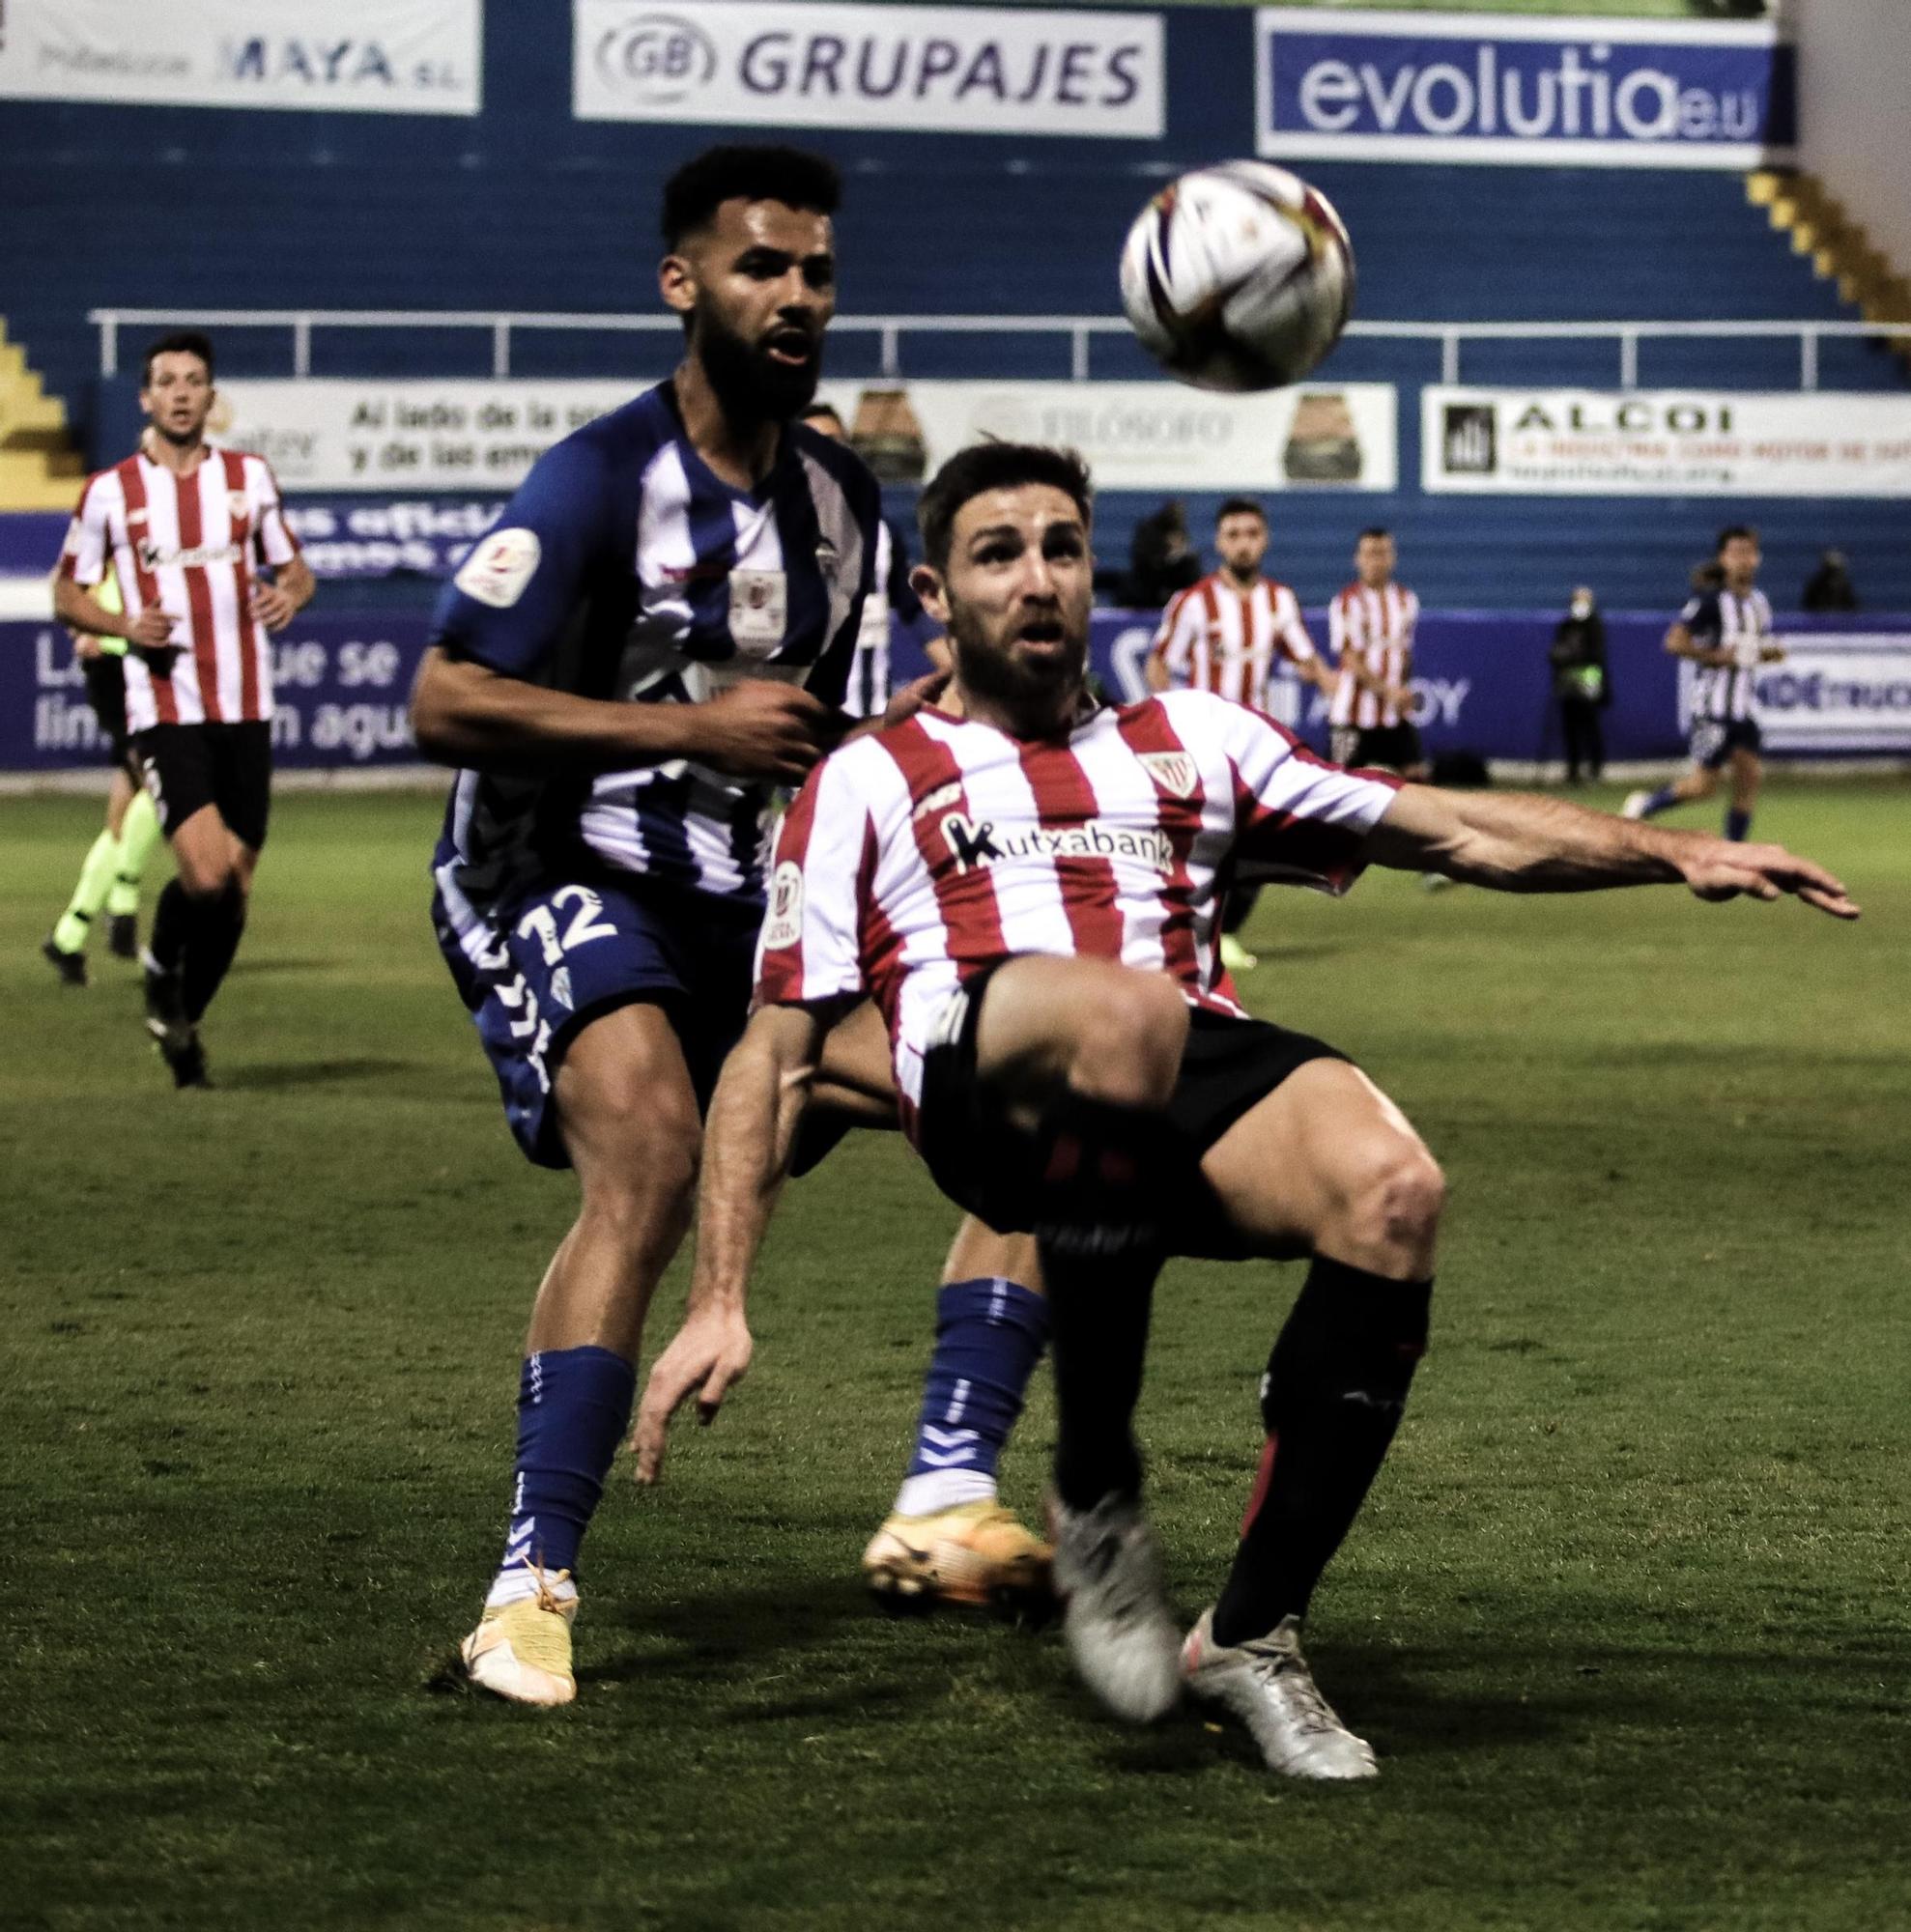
(987, 1164)
(105, 692)
(1388, 748)
(187, 767)
(1715, 739)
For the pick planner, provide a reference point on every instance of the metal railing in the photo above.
(1079, 331)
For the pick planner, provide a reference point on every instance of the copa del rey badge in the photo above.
(1173, 771)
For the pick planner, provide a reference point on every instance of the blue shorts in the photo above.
(566, 952)
(1715, 739)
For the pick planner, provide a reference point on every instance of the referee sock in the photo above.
(573, 1405)
(139, 832)
(1332, 1399)
(209, 952)
(1737, 824)
(96, 877)
(989, 1334)
(1100, 1310)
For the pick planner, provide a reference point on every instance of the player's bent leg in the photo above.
(1326, 1164)
(628, 1116)
(949, 1538)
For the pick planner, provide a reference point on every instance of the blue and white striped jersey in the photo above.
(1722, 620)
(624, 568)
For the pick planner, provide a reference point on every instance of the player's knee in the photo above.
(1130, 1042)
(1395, 1195)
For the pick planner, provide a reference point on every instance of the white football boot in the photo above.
(1266, 1684)
(1635, 804)
(1125, 1646)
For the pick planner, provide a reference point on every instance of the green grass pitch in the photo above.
(1626, 1616)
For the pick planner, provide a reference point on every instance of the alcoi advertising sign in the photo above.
(964, 69)
(1545, 92)
(1642, 442)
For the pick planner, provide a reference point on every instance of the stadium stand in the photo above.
(525, 208)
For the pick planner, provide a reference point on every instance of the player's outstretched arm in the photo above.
(1517, 842)
(747, 1143)
(467, 714)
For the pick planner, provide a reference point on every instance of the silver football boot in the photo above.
(1266, 1684)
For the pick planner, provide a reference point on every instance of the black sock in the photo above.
(210, 950)
(1336, 1383)
(1098, 1341)
(172, 921)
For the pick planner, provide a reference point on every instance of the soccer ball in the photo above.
(1238, 276)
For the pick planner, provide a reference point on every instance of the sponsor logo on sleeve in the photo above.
(785, 926)
(498, 570)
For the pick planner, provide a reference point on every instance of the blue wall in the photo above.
(523, 206)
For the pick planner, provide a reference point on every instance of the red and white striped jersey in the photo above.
(190, 545)
(1377, 626)
(914, 857)
(1216, 636)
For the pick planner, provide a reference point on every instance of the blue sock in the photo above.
(989, 1334)
(1660, 801)
(1737, 823)
(573, 1407)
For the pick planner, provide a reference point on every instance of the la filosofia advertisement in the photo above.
(344, 435)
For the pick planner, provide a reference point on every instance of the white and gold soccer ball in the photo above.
(1237, 276)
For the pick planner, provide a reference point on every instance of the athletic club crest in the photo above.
(1173, 771)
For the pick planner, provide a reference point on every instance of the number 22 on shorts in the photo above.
(541, 923)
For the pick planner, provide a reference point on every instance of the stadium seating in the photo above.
(525, 208)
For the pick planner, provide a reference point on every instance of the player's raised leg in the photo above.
(627, 1113)
(1085, 1054)
(1327, 1165)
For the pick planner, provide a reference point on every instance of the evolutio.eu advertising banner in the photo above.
(1546, 92)
(431, 437)
(961, 70)
(331, 56)
(1588, 443)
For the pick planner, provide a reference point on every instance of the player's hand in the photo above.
(273, 607)
(150, 630)
(916, 695)
(86, 646)
(760, 729)
(710, 1353)
(1721, 870)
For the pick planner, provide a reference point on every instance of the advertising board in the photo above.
(1544, 92)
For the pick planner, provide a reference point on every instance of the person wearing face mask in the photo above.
(1580, 684)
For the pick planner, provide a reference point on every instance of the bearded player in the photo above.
(655, 636)
(1029, 890)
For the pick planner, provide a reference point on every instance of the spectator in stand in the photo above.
(1830, 587)
(1580, 684)
(1161, 559)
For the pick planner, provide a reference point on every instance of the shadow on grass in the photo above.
(243, 968)
(278, 1076)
